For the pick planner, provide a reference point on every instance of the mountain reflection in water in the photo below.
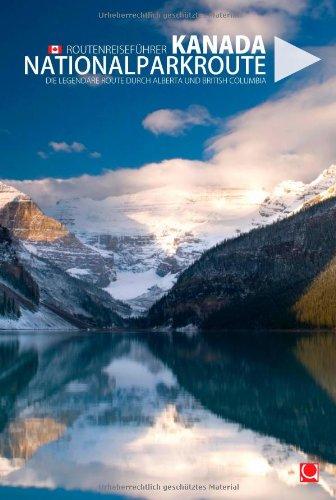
(84, 410)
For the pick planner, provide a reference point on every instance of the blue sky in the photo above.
(107, 119)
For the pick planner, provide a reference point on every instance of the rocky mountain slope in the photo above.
(40, 266)
(13, 276)
(44, 236)
(19, 292)
(35, 294)
(25, 220)
(278, 276)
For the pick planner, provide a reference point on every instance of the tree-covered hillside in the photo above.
(278, 276)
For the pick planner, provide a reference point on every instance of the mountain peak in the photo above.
(24, 218)
(9, 193)
(327, 177)
(289, 187)
(330, 171)
(290, 196)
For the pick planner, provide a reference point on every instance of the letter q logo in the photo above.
(309, 472)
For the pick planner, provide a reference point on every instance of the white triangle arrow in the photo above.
(289, 59)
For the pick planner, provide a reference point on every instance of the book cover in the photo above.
(168, 249)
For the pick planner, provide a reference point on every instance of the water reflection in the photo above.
(82, 411)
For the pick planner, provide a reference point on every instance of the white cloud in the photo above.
(95, 154)
(288, 137)
(173, 172)
(176, 121)
(42, 155)
(64, 147)
(75, 147)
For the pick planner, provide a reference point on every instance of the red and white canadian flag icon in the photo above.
(309, 472)
(55, 49)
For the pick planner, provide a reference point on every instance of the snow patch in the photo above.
(130, 285)
(76, 271)
(42, 319)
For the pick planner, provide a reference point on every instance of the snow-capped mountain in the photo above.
(37, 288)
(36, 294)
(46, 237)
(290, 196)
(134, 246)
(153, 235)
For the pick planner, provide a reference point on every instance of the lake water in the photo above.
(168, 415)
